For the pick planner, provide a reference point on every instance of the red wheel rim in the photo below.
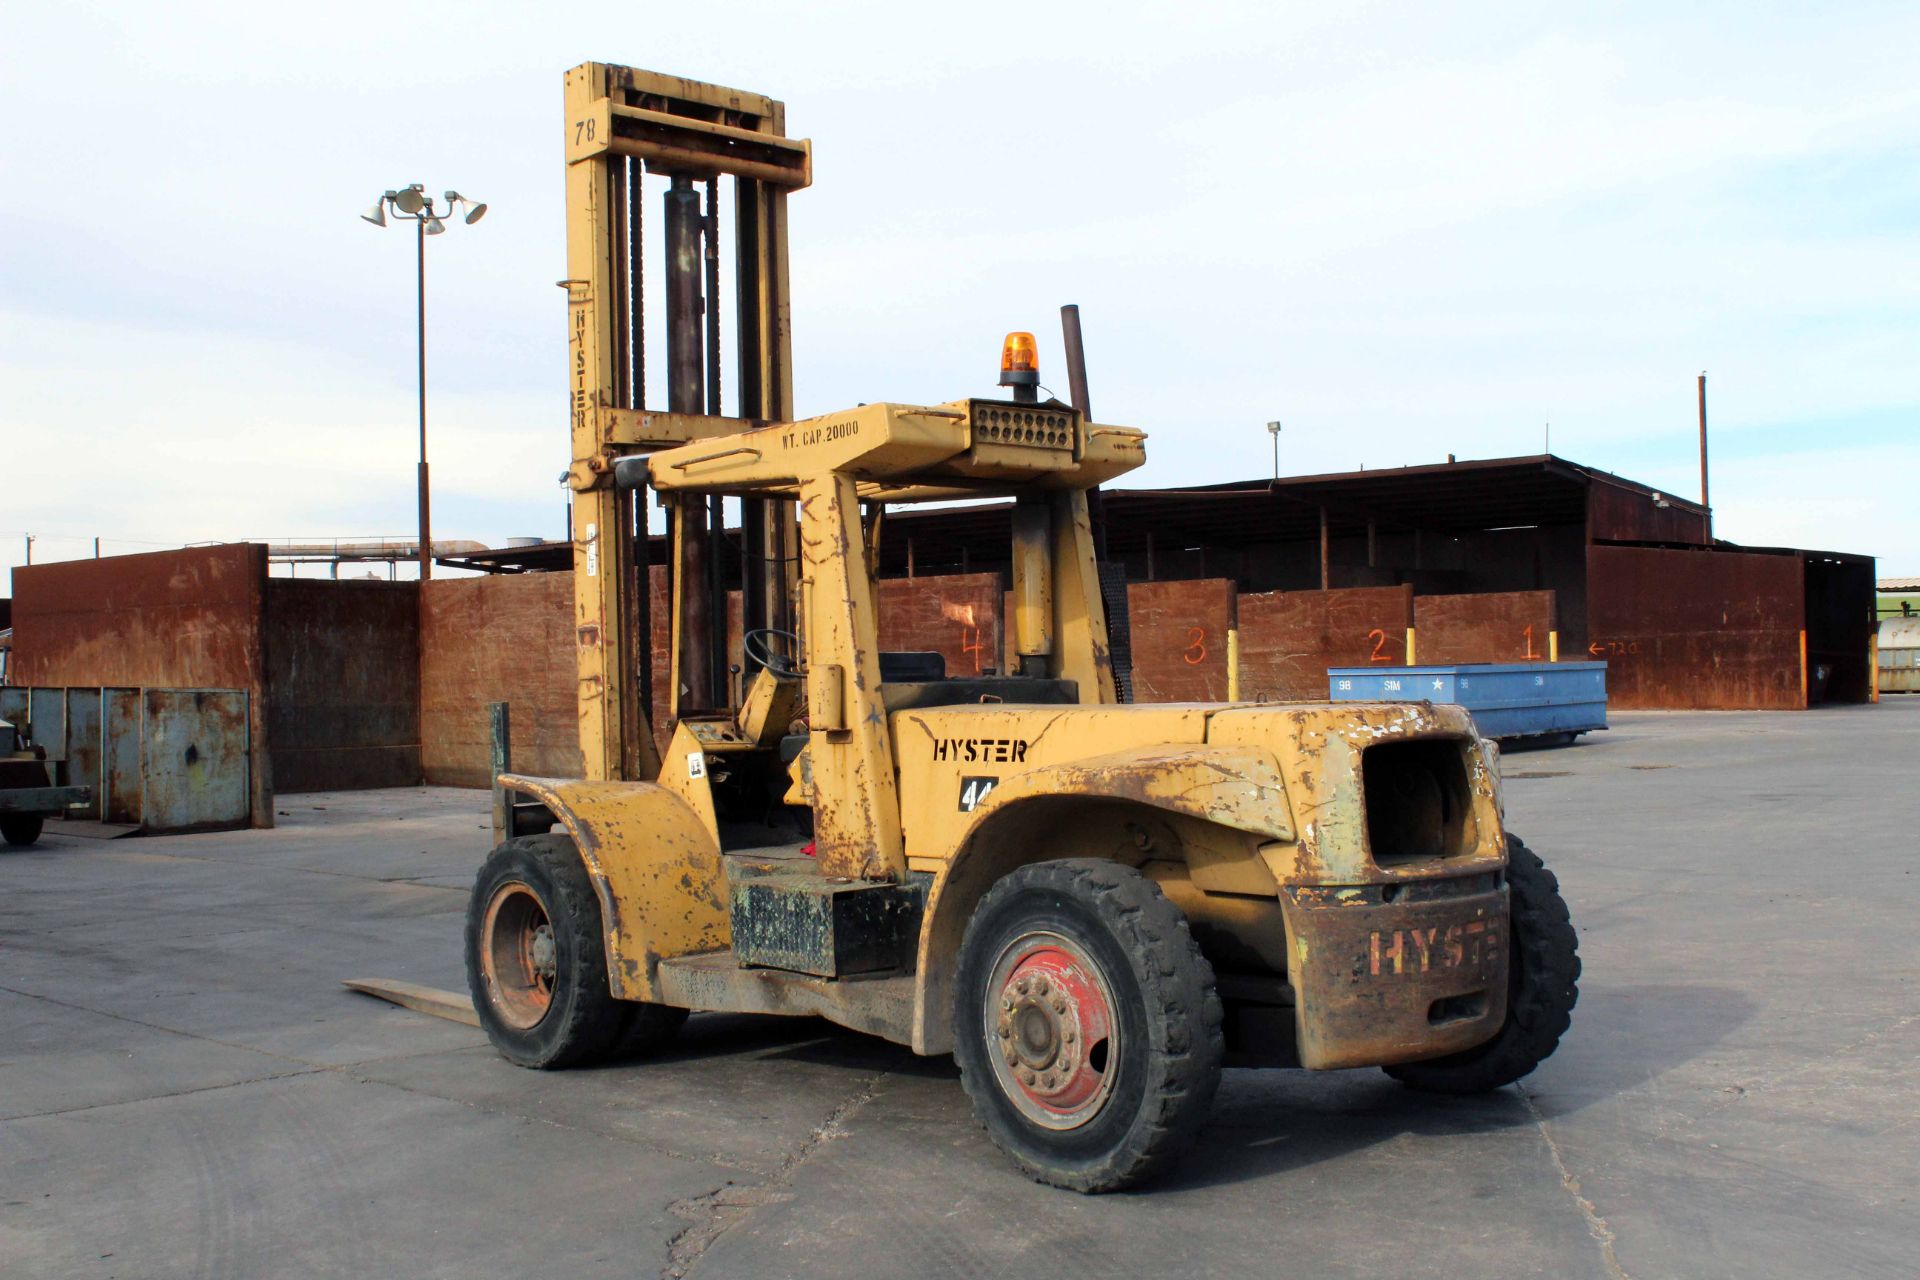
(1051, 1032)
(517, 955)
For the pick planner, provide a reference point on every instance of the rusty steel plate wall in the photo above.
(1708, 630)
(343, 684)
(955, 615)
(47, 713)
(193, 618)
(121, 795)
(177, 619)
(85, 747)
(161, 759)
(1840, 626)
(1490, 626)
(1180, 639)
(500, 638)
(1288, 639)
(1616, 513)
(661, 715)
(194, 759)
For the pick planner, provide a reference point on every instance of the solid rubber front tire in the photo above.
(582, 1022)
(1165, 1017)
(1544, 978)
(21, 828)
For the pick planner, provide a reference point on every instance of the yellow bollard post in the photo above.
(1233, 664)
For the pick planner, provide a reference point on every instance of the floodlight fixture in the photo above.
(413, 204)
(476, 209)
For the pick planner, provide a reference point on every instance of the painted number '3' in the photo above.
(1196, 652)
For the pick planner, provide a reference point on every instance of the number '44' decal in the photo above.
(973, 791)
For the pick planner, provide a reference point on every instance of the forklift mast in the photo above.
(624, 126)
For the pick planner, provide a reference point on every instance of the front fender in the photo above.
(655, 866)
(1231, 786)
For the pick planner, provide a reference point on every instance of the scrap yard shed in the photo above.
(1683, 620)
(353, 684)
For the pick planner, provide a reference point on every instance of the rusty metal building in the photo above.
(1629, 573)
(1685, 620)
(354, 684)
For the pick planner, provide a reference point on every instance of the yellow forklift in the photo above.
(1093, 906)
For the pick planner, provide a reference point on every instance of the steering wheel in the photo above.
(755, 643)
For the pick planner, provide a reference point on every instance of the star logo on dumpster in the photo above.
(1439, 685)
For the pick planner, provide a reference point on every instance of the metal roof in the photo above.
(537, 558)
(1444, 498)
(1484, 493)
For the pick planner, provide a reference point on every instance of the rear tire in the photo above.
(1544, 984)
(1086, 1025)
(21, 828)
(537, 962)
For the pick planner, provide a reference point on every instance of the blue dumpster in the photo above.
(1509, 701)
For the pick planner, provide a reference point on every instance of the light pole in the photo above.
(413, 204)
(1273, 429)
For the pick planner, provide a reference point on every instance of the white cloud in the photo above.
(1403, 231)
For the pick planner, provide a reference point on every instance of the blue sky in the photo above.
(1402, 231)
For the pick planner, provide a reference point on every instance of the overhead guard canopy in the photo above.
(910, 453)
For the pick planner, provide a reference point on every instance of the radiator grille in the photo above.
(1022, 425)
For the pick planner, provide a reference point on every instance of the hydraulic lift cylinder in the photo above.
(686, 393)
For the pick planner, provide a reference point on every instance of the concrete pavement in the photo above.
(185, 1090)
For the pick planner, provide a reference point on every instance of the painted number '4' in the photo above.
(974, 791)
